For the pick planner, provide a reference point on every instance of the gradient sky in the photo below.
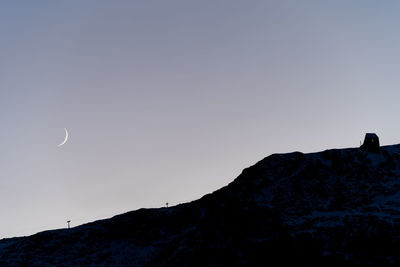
(166, 101)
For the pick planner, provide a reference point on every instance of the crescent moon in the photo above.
(66, 138)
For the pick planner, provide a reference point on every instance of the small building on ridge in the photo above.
(371, 142)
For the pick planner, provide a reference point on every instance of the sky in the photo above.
(166, 101)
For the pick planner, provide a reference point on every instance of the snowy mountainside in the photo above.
(336, 207)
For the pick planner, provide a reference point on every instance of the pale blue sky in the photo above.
(166, 101)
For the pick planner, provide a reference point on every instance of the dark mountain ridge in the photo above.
(336, 207)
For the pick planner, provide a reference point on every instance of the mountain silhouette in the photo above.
(338, 207)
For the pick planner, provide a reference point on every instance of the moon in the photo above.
(66, 138)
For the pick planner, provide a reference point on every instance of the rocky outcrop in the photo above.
(337, 207)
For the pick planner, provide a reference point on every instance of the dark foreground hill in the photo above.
(337, 207)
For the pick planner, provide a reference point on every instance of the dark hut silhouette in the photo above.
(371, 142)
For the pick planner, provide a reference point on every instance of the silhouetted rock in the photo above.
(339, 207)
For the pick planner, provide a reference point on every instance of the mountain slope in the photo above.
(336, 207)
